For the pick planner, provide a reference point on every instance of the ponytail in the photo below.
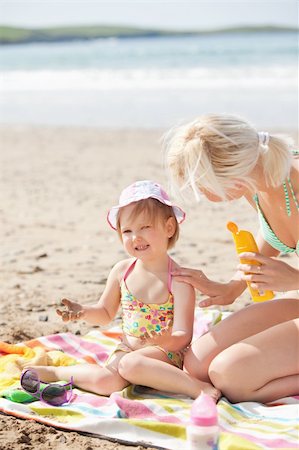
(277, 159)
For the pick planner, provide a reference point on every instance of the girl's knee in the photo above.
(129, 365)
(105, 384)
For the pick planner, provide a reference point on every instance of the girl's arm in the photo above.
(184, 305)
(103, 312)
(182, 328)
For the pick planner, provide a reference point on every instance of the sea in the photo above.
(153, 82)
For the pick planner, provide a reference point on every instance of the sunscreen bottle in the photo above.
(245, 242)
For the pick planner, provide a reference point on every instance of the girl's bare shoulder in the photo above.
(175, 265)
(121, 267)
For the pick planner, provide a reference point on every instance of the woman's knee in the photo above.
(196, 364)
(225, 372)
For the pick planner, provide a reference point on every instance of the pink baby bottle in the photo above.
(203, 430)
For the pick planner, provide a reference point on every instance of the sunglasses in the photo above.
(50, 393)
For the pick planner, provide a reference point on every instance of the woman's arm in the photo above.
(271, 274)
(217, 293)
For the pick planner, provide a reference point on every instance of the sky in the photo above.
(168, 14)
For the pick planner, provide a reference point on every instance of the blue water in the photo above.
(164, 52)
(151, 82)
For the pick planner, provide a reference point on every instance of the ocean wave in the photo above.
(149, 79)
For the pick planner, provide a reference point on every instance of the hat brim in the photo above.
(180, 215)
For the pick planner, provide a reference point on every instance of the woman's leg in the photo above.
(90, 377)
(262, 368)
(151, 367)
(238, 326)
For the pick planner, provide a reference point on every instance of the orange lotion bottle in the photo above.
(245, 242)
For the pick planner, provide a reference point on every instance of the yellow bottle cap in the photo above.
(231, 226)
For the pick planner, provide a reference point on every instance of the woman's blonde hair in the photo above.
(155, 210)
(217, 150)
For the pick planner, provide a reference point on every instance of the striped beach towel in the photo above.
(142, 415)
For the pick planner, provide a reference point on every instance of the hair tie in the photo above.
(264, 138)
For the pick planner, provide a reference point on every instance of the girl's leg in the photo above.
(151, 367)
(90, 377)
(262, 368)
(238, 326)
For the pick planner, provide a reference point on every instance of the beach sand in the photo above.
(55, 189)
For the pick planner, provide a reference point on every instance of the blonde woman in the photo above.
(253, 354)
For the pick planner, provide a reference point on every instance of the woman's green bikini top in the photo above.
(267, 231)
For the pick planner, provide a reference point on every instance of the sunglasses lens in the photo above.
(30, 382)
(55, 395)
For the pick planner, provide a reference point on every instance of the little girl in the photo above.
(157, 312)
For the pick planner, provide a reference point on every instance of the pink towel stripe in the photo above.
(137, 410)
(76, 347)
(93, 347)
(267, 442)
(92, 400)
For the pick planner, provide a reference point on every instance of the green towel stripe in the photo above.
(174, 430)
(255, 424)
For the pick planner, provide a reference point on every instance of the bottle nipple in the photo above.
(204, 411)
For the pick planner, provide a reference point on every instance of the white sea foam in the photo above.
(149, 79)
(151, 82)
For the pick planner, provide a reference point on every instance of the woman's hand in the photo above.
(272, 274)
(73, 311)
(217, 293)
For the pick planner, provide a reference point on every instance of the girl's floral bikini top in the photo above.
(139, 317)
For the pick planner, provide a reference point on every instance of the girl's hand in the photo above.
(272, 274)
(153, 337)
(74, 310)
(218, 293)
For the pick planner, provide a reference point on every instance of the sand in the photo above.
(55, 189)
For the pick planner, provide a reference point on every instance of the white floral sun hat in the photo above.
(141, 190)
